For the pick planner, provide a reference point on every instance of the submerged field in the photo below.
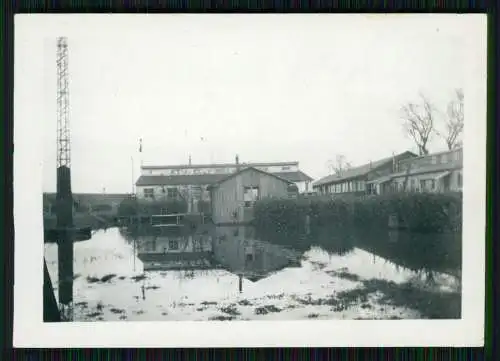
(110, 285)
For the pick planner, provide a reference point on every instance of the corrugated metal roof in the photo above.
(358, 171)
(202, 179)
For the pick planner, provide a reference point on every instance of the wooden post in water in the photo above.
(240, 282)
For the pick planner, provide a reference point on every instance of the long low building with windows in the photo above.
(405, 172)
(191, 181)
(437, 172)
(359, 180)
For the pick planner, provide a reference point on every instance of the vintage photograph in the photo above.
(203, 180)
(239, 168)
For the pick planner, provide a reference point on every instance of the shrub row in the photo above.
(434, 212)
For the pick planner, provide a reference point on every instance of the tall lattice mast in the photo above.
(63, 128)
(64, 195)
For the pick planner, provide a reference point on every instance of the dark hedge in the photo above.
(420, 212)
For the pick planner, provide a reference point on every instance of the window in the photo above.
(434, 159)
(444, 158)
(172, 192)
(250, 196)
(459, 180)
(422, 185)
(285, 168)
(148, 193)
(173, 245)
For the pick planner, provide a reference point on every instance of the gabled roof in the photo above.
(360, 170)
(227, 177)
(298, 176)
(203, 179)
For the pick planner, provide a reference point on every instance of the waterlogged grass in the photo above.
(345, 275)
(430, 304)
(264, 310)
(105, 279)
(230, 310)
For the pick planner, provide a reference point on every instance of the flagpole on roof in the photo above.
(140, 151)
(393, 162)
(133, 180)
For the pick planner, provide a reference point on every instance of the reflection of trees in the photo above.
(336, 240)
(425, 252)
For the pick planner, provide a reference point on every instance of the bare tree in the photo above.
(339, 165)
(418, 122)
(454, 121)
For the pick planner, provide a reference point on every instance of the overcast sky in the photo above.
(269, 88)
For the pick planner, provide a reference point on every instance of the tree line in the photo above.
(421, 121)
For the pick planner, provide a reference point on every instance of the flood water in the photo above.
(231, 273)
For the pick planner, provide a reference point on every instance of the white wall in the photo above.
(221, 170)
(302, 186)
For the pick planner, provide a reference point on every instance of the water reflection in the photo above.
(235, 249)
(240, 252)
(197, 274)
(254, 254)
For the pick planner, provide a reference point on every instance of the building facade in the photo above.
(437, 172)
(191, 182)
(234, 197)
(361, 179)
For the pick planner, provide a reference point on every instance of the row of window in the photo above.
(351, 186)
(413, 184)
(196, 171)
(169, 192)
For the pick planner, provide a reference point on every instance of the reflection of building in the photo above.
(191, 181)
(438, 172)
(174, 252)
(359, 180)
(234, 196)
(236, 249)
